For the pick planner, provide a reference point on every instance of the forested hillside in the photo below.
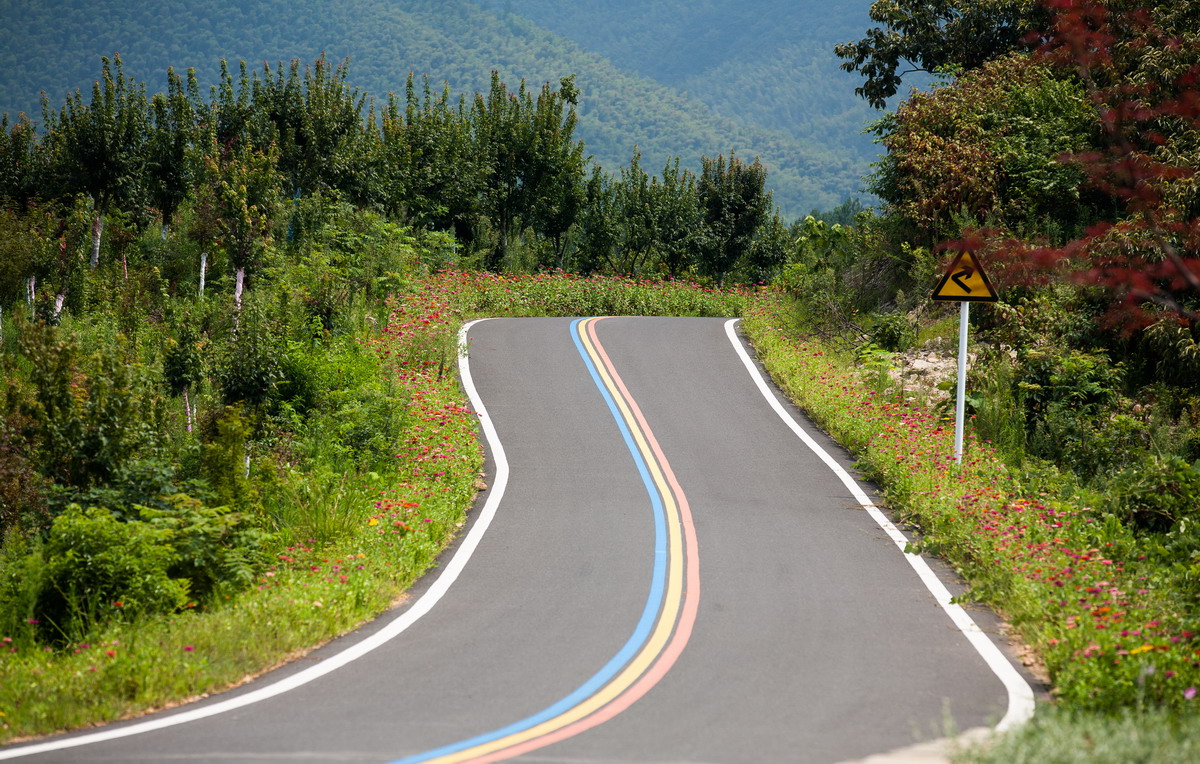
(769, 62)
(56, 47)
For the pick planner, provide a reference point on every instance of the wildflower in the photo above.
(188, 648)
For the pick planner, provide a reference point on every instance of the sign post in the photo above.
(964, 282)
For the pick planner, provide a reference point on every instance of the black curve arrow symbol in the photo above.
(960, 277)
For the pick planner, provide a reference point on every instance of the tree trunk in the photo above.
(58, 303)
(97, 231)
(237, 289)
(187, 410)
(31, 292)
(203, 270)
(237, 298)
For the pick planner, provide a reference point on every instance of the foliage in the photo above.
(250, 367)
(985, 149)
(532, 161)
(935, 36)
(1139, 69)
(316, 119)
(97, 566)
(1068, 737)
(87, 423)
(894, 332)
(1159, 494)
(762, 82)
(217, 550)
(98, 149)
(734, 205)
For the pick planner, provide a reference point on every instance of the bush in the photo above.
(87, 422)
(894, 331)
(97, 567)
(1089, 443)
(1158, 494)
(218, 550)
(250, 367)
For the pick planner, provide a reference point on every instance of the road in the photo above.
(663, 572)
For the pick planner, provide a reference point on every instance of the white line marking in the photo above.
(1020, 694)
(419, 608)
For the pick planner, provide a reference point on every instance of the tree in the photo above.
(734, 203)
(435, 173)
(1141, 71)
(986, 149)
(317, 121)
(236, 201)
(531, 158)
(599, 223)
(21, 163)
(677, 215)
(931, 35)
(174, 135)
(100, 149)
(639, 221)
(557, 172)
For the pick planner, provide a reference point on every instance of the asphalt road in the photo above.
(810, 637)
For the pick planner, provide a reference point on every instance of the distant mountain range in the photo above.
(672, 77)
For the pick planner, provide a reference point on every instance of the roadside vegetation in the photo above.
(229, 419)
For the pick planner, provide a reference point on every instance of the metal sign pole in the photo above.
(960, 408)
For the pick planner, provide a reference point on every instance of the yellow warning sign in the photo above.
(965, 281)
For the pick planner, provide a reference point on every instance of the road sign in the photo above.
(965, 281)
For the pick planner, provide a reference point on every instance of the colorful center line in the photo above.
(667, 619)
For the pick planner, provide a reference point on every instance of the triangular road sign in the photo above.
(965, 281)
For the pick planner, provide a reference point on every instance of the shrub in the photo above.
(1158, 494)
(87, 422)
(223, 436)
(250, 367)
(218, 550)
(96, 567)
(22, 489)
(894, 331)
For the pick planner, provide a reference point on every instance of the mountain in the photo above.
(766, 62)
(676, 82)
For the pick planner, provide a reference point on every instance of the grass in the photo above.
(1062, 737)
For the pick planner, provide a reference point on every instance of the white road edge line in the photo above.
(419, 608)
(1020, 694)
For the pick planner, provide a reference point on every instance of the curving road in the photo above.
(664, 571)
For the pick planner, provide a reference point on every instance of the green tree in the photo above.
(236, 202)
(986, 149)
(21, 169)
(435, 174)
(932, 35)
(677, 210)
(100, 149)
(734, 203)
(657, 220)
(531, 159)
(599, 226)
(317, 121)
(174, 137)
